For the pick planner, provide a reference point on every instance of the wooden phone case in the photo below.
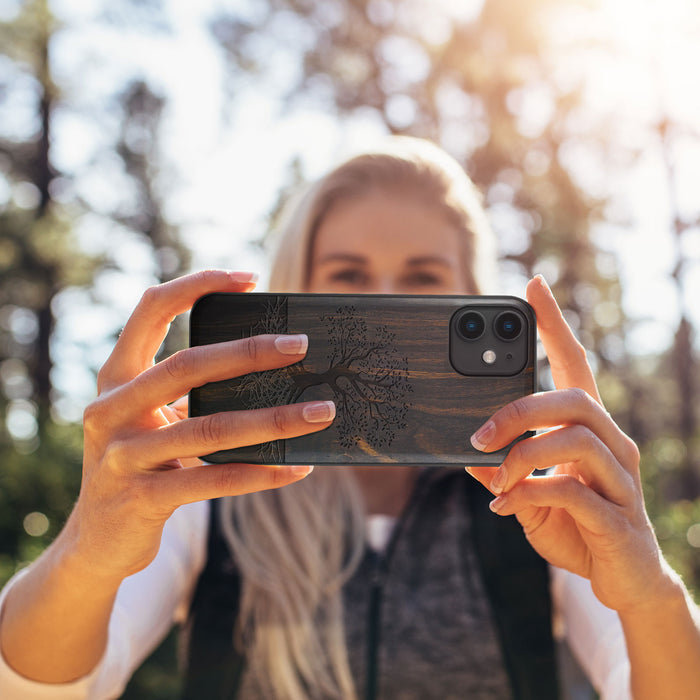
(385, 362)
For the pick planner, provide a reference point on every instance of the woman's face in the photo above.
(386, 244)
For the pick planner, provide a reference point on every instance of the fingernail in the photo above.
(499, 480)
(301, 472)
(483, 436)
(243, 277)
(292, 344)
(320, 412)
(543, 282)
(497, 504)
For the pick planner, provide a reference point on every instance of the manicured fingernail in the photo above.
(292, 344)
(243, 277)
(483, 436)
(301, 472)
(497, 504)
(320, 412)
(499, 480)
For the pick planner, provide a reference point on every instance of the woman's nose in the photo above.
(387, 285)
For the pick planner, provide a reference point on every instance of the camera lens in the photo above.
(508, 325)
(471, 325)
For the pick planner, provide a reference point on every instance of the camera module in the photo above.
(508, 325)
(491, 337)
(471, 325)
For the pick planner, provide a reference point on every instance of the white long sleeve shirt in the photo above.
(151, 601)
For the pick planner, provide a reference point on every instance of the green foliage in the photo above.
(678, 530)
(39, 476)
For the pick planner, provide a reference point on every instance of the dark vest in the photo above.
(512, 577)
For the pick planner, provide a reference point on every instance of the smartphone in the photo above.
(412, 377)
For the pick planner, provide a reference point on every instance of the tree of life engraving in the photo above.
(367, 375)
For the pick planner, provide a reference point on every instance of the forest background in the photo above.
(141, 139)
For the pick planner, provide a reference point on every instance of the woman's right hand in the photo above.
(140, 454)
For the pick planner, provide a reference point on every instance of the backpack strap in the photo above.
(214, 667)
(516, 579)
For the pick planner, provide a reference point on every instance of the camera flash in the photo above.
(489, 357)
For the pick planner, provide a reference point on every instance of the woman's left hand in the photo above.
(587, 514)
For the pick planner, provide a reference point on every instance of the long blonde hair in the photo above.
(296, 546)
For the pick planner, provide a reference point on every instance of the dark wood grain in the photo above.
(384, 360)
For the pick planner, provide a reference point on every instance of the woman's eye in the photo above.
(351, 276)
(424, 279)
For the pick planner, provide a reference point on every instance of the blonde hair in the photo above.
(296, 546)
(405, 165)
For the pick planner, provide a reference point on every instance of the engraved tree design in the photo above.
(368, 378)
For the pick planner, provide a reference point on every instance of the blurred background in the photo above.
(141, 139)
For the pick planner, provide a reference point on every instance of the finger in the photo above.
(585, 455)
(584, 505)
(203, 435)
(175, 488)
(483, 475)
(148, 324)
(567, 357)
(181, 407)
(176, 375)
(556, 408)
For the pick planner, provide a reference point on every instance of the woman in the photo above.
(284, 572)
